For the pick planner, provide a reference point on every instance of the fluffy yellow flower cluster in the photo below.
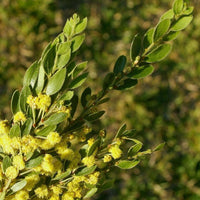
(42, 101)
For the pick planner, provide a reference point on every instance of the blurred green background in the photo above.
(163, 107)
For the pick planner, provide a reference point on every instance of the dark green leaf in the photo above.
(120, 64)
(85, 96)
(15, 103)
(134, 149)
(108, 80)
(23, 97)
(126, 164)
(34, 162)
(171, 36)
(27, 127)
(77, 42)
(141, 72)
(79, 68)
(46, 130)
(181, 23)
(19, 185)
(31, 75)
(55, 119)
(67, 96)
(56, 82)
(86, 171)
(6, 163)
(94, 116)
(161, 29)
(49, 58)
(77, 82)
(128, 133)
(94, 146)
(148, 38)
(159, 147)
(159, 53)
(74, 104)
(62, 176)
(15, 131)
(121, 130)
(127, 83)
(135, 47)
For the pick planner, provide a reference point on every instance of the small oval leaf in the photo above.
(56, 118)
(126, 164)
(120, 64)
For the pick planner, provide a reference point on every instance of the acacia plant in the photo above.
(50, 149)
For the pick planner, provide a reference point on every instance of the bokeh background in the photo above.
(163, 107)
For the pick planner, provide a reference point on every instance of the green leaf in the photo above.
(85, 171)
(77, 82)
(120, 131)
(77, 42)
(34, 162)
(46, 130)
(15, 102)
(161, 29)
(107, 185)
(23, 97)
(90, 193)
(171, 36)
(27, 126)
(81, 26)
(79, 68)
(40, 81)
(68, 29)
(127, 83)
(71, 68)
(6, 163)
(31, 75)
(167, 15)
(19, 185)
(148, 38)
(134, 149)
(85, 96)
(126, 164)
(46, 49)
(178, 7)
(74, 104)
(181, 23)
(188, 11)
(62, 176)
(120, 64)
(15, 131)
(63, 59)
(94, 146)
(108, 80)
(128, 133)
(141, 72)
(135, 47)
(67, 96)
(56, 82)
(55, 119)
(49, 58)
(159, 147)
(159, 53)
(94, 116)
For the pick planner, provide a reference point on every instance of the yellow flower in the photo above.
(31, 101)
(65, 153)
(115, 151)
(54, 197)
(22, 195)
(4, 127)
(93, 178)
(107, 158)
(32, 180)
(19, 117)
(88, 161)
(90, 142)
(11, 172)
(68, 196)
(43, 101)
(42, 191)
(18, 162)
(53, 138)
(56, 190)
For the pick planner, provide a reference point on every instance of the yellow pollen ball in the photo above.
(19, 117)
(11, 172)
(22, 195)
(107, 158)
(53, 138)
(18, 162)
(89, 161)
(115, 151)
(41, 191)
